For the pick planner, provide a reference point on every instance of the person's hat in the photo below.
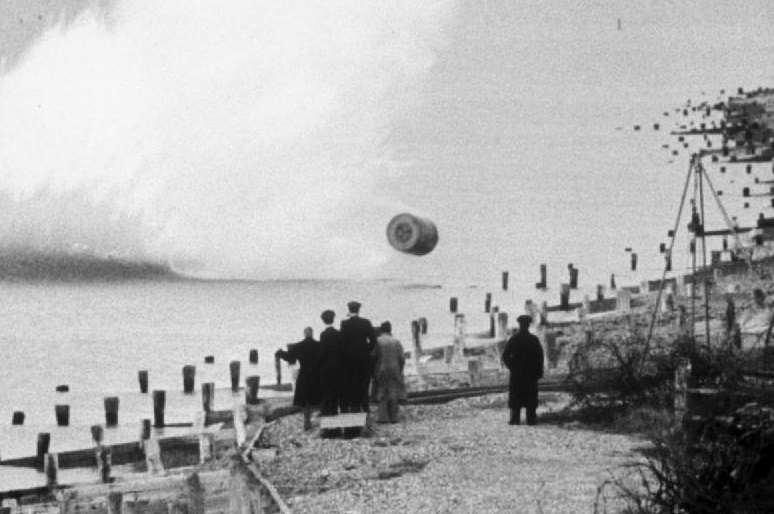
(328, 316)
(353, 306)
(524, 319)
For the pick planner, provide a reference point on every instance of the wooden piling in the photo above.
(62, 388)
(682, 375)
(505, 281)
(208, 396)
(97, 434)
(17, 418)
(543, 277)
(459, 334)
(189, 377)
(209, 359)
(600, 292)
(488, 302)
(44, 441)
(634, 261)
(502, 325)
(111, 411)
(159, 404)
(253, 356)
(416, 337)
(145, 429)
(142, 377)
(104, 463)
(612, 281)
(474, 372)
(252, 383)
(114, 501)
(453, 304)
(51, 469)
(423, 325)
(564, 296)
(278, 369)
(573, 278)
(233, 368)
(62, 415)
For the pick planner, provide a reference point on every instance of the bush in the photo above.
(728, 467)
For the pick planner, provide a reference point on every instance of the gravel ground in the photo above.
(457, 457)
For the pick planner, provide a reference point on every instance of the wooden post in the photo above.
(488, 302)
(492, 321)
(189, 377)
(278, 369)
(97, 434)
(416, 337)
(205, 438)
(17, 418)
(51, 469)
(159, 403)
(600, 292)
(104, 462)
(623, 301)
(459, 334)
(423, 325)
(543, 277)
(474, 371)
(573, 276)
(208, 396)
(502, 325)
(612, 281)
(453, 304)
(145, 429)
(233, 368)
(240, 415)
(251, 389)
(44, 441)
(209, 359)
(62, 388)
(505, 280)
(153, 460)
(142, 376)
(682, 374)
(114, 500)
(62, 415)
(564, 296)
(111, 411)
(253, 356)
(634, 261)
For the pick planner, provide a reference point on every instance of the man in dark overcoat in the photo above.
(358, 341)
(331, 366)
(307, 353)
(523, 356)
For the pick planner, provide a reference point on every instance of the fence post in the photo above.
(682, 374)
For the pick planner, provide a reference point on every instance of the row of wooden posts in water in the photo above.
(48, 462)
(111, 403)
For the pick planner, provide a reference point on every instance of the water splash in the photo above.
(238, 141)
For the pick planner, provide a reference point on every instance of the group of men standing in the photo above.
(336, 372)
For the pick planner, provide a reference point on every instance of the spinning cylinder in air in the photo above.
(411, 234)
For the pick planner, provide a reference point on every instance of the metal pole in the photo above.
(700, 171)
(663, 274)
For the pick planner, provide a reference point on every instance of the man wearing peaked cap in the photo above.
(523, 356)
(357, 342)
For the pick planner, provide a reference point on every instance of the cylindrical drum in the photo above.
(411, 234)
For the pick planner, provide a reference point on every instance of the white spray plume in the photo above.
(247, 136)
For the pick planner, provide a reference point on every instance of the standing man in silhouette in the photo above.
(523, 356)
(307, 393)
(331, 367)
(358, 341)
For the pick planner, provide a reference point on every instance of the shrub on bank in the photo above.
(728, 466)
